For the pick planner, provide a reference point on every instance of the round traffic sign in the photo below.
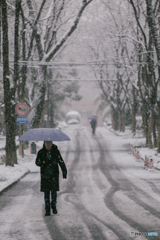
(22, 109)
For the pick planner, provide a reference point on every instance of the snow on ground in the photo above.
(9, 175)
(138, 143)
(132, 168)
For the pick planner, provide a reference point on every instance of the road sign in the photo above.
(22, 120)
(22, 109)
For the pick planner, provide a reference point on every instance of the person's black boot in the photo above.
(54, 209)
(47, 212)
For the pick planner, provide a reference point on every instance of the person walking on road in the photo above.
(48, 158)
(93, 125)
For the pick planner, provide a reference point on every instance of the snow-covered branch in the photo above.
(47, 57)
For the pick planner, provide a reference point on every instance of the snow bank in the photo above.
(138, 142)
(9, 175)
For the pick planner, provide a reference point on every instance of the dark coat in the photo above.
(93, 123)
(50, 170)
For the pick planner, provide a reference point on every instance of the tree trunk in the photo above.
(134, 110)
(158, 139)
(121, 121)
(145, 117)
(0, 33)
(153, 26)
(122, 124)
(115, 123)
(158, 128)
(16, 67)
(150, 145)
(154, 128)
(41, 102)
(11, 157)
(22, 84)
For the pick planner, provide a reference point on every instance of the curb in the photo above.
(13, 183)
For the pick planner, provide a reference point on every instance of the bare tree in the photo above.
(149, 72)
(112, 54)
(49, 39)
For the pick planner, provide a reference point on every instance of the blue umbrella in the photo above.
(92, 118)
(44, 134)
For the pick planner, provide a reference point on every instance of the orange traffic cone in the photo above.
(146, 162)
(148, 165)
(151, 166)
(137, 155)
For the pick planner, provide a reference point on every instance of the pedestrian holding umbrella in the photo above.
(48, 159)
(93, 123)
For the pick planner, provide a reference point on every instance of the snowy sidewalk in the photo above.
(10, 175)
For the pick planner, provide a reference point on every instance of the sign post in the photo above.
(22, 119)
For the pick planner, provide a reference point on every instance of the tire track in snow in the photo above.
(69, 193)
(71, 172)
(153, 186)
(106, 167)
(101, 186)
(90, 220)
(87, 217)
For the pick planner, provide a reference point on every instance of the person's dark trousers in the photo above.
(53, 202)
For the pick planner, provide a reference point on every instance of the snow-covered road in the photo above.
(107, 195)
